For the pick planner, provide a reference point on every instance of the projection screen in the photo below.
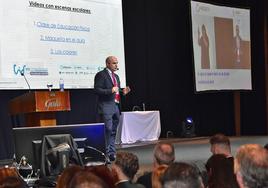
(49, 40)
(221, 46)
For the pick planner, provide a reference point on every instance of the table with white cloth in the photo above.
(138, 126)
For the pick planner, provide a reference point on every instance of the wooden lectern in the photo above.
(40, 107)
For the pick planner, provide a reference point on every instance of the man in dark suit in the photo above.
(125, 167)
(107, 87)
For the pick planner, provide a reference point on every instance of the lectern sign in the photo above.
(52, 101)
(39, 107)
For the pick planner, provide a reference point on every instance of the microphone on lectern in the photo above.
(22, 74)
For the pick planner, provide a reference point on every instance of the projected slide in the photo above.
(49, 40)
(221, 45)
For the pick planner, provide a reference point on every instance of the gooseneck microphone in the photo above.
(22, 74)
(98, 151)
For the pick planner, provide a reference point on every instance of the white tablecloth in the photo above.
(138, 126)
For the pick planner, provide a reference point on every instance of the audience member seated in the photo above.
(9, 177)
(104, 173)
(85, 179)
(220, 144)
(157, 175)
(67, 175)
(8, 171)
(13, 182)
(220, 172)
(251, 166)
(182, 175)
(164, 154)
(125, 167)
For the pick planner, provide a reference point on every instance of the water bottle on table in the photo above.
(61, 84)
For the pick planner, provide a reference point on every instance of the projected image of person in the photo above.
(107, 87)
(237, 45)
(203, 42)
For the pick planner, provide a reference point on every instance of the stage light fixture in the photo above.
(188, 128)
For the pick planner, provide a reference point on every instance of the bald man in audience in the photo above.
(251, 166)
(164, 154)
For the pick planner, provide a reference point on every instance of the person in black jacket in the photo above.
(107, 87)
(125, 167)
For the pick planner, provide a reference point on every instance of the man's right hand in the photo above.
(115, 89)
